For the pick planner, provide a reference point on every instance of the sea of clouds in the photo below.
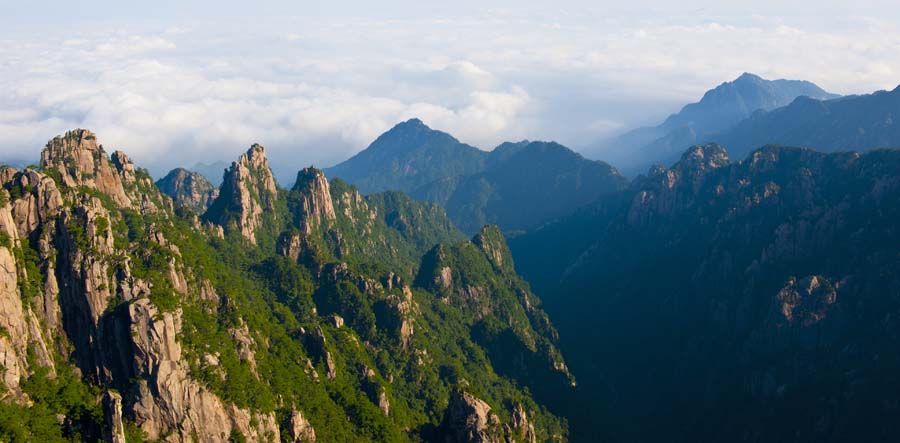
(315, 90)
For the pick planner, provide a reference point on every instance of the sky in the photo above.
(173, 83)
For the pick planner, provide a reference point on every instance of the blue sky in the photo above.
(175, 82)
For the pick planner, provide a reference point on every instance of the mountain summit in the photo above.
(516, 186)
(861, 123)
(188, 188)
(719, 109)
(406, 157)
(733, 101)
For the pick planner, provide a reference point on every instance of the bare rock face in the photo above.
(84, 243)
(383, 403)
(13, 329)
(245, 345)
(247, 195)
(89, 305)
(169, 404)
(20, 330)
(289, 245)
(520, 429)
(698, 161)
(491, 241)
(6, 173)
(808, 300)
(80, 161)
(316, 208)
(667, 191)
(405, 309)
(445, 277)
(470, 420)
(40, 200)
(189, 189)
(112, 409)
(317, 344)
(301, 430)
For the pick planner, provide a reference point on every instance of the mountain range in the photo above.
(731, 301)
(853, 123)
(516, 186)
(520, 186)
(427, 290)
(718, 110)
(304, 314)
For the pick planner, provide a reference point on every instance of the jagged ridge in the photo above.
(191, 329)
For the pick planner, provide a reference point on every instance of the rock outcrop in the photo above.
(21, 333)
(301, 430)
(39, 200)
(112, 410)
(246, 201)
(80, 162)
(490, 240)
(665, 192)
(519, 429)
(315, 208)
(189, 189)
(167, 400)
(808, 300)
(470, 420)
(136, 312)
(13, 330)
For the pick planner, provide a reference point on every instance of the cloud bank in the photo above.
(317, 90)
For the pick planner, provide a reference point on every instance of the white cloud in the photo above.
(318, 90)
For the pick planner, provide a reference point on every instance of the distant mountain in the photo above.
(213, 171)
(189, 189)
(516, 186)
(765, 286)
(718, 110)
(523, 186)
(17, 162)
(406, 157)
(851, 123)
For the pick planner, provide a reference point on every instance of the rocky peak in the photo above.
(189, 189)
(469, 419)
(247, 195)
(254, 166)
(748, 77)
(406, 157)
(81, 161)
(124, 165)
(315, 207)
(696, 164)
(491, 241)
(39, 200)
(411, 123)
(667, 191)
(703, 158)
